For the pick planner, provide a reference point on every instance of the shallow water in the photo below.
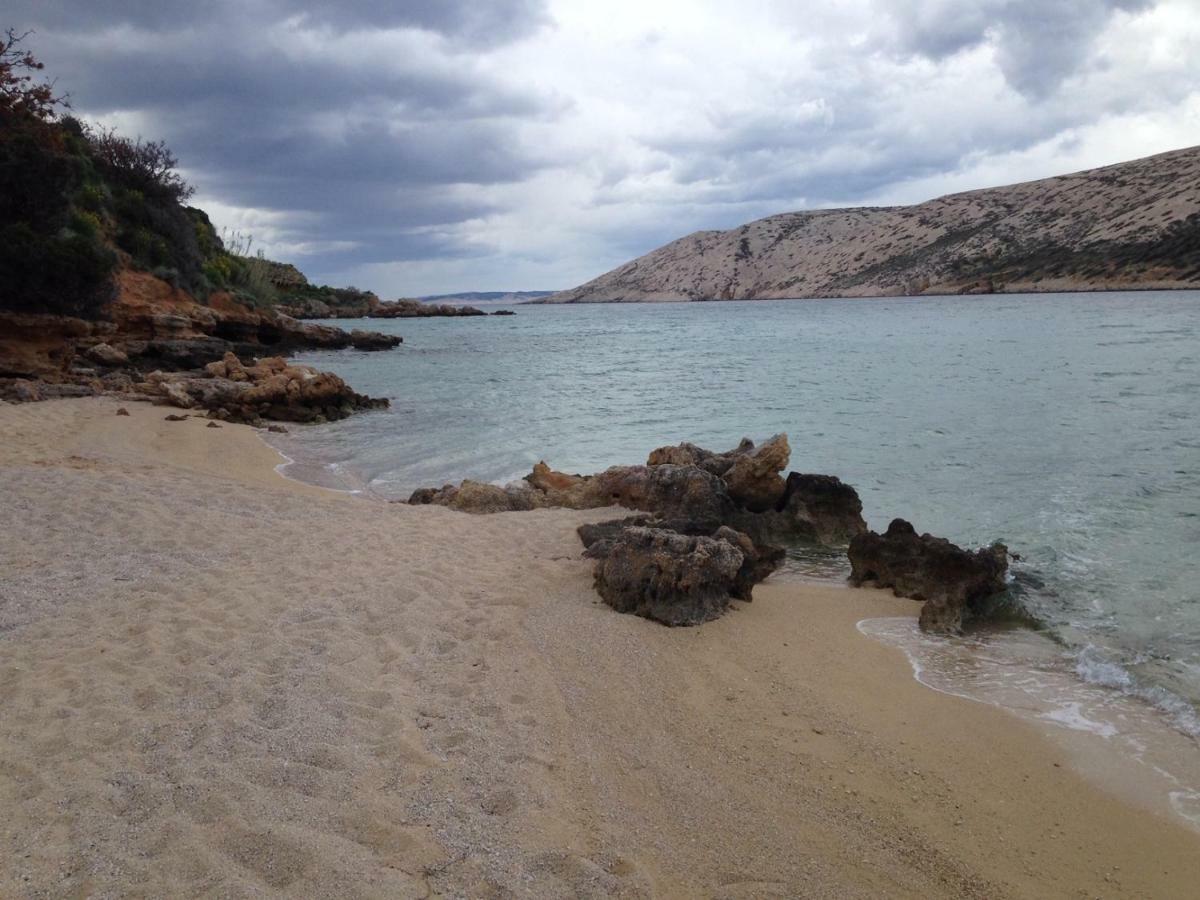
(1066, 425)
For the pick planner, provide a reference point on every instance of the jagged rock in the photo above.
(598, 537)
(277, 429)
(817, 508)
(953, 582)
(687, 454)
(504, 312)
(373, 340)
(107, 355)
(672, 578)
(269, 389)
(757, 561)
(753, 478)
(672, 491)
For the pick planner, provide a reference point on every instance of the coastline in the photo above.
(221, 679)
(1015, 288)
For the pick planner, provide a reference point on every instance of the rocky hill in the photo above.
(1131, 225)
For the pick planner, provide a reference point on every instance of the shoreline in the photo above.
(1017, 290)
(225, 679)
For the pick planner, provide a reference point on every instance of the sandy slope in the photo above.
(214, 682)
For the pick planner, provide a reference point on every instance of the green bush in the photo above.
(67, 274)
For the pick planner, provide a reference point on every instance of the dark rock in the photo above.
(173, 417)
(277, 429)
(213, 425)
(122, 411)
(757, 561)
(953, 582)
(598, 537)
(374, 340)
(816, 508)
(504, 312)
(669, 577)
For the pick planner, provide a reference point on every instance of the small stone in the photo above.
(213, 425)
(174, 418)
(122, 411)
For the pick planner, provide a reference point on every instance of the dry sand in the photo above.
(216, 682)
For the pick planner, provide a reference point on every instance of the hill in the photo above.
(1131, 225)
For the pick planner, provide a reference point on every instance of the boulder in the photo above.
(669, 577)
(107, 355)
(753, 478)
(953, 583)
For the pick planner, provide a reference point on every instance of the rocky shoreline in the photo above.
(156, 343)
(712, 526)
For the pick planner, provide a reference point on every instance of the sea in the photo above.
(1065, 425)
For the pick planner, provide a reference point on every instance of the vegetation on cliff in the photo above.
(79, 202)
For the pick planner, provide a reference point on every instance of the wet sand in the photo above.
(215, 681)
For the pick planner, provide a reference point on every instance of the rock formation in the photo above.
(151, 330)
(953, 583)
(674, 578)
(697, 489)
(268, 389)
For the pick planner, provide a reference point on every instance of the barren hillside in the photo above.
(1131, 225)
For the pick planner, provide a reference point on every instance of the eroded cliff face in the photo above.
(1132, 225)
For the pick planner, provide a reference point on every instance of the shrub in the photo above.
(145, 166)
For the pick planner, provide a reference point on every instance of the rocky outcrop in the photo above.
(677, 579)
(697, 489)
(152, 327)
(335, 304)
(268, 389)
(954, 583)
(373, 340)
(415, 309)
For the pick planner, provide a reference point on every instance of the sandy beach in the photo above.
(218, 682)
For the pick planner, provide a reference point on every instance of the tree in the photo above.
(146, 166)
(24, 96)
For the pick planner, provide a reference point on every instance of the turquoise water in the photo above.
(1067, 426)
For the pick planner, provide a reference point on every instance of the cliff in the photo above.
(1132, 225)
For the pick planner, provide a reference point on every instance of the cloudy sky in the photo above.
(440, 145)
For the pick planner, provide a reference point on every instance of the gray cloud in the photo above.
(1038, 44)
(523, 142)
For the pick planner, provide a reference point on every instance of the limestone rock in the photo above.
(954, 583)
(107, 355)
(753, 478)
(669, 577)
